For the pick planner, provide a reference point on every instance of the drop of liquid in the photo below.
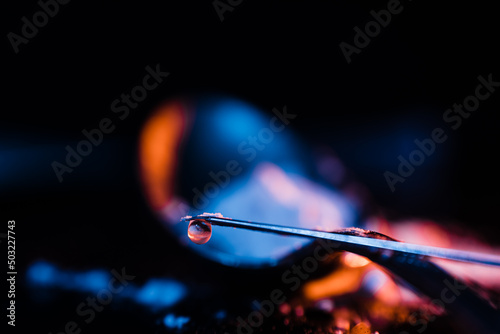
(199, 231)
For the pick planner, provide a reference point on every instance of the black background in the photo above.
(269, 53)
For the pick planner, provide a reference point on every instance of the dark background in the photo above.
(270, 54)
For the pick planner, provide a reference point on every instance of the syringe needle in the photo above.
(348, 240)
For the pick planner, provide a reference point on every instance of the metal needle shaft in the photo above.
(438, 252)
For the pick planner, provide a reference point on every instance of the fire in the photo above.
(159, 143)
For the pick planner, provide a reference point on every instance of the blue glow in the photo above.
(17, 168)
(247, 196)
(236, 120)
(221, 314)
(94, 280)
(46, 274)
(160, 293)
(41, 273)
(156, 293)
(172, 321)
(222, 125)
(64, 280)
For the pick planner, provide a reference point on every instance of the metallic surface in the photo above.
(375, 244)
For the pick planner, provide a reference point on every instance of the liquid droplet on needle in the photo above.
(199, 231)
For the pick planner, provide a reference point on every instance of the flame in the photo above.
(159, 144)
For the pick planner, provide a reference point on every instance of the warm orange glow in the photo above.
(159, 142)
(341, 281)
(343, 318)
(353, 260)
(361, 328)
(382, 287)
(430, 233)
(358, 274)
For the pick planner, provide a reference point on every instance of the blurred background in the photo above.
(353, 121)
